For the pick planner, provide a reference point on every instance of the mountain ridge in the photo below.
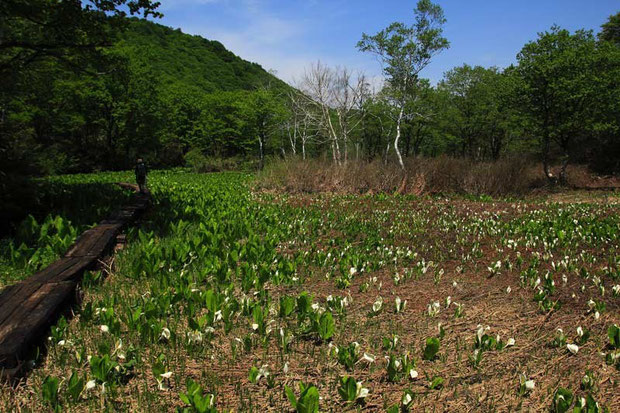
(191, 61)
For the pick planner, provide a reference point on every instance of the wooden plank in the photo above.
(15, 298)
(5, 294)
(66, 268)
(126, 185)
(75, 272)
(29, 323)
(129, 213)
(94, 241)
(28, 307)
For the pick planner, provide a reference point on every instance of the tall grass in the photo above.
(421, 175)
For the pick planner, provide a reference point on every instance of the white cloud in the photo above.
(257, 33)
(260, 37)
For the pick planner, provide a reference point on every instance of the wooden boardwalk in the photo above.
(28, 308)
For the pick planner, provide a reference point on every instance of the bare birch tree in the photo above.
(299, 125)
(332, 103)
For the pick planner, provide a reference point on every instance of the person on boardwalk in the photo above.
(141, 172)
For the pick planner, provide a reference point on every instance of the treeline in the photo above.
(558, 104)
(86, 89)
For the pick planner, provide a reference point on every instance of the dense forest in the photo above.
(156, 93)
(87, 87)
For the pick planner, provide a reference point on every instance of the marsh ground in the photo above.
(220, 280)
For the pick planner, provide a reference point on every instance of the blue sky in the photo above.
(288, 35)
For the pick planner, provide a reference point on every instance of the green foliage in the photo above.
(191, 63)
(75, 386)
(348, 388)
(196, 398)
(326, 326)
(431, 349)
(36, 245)
(480, 115)
(152, 92)
(348, 355)
(400, 367)
(287, 305)
(562, 400)
(308, 400)
(590, 406)
(560, 102)
(610, 30)
(613, 332)
(216, 264)
(436, 383)
(404, 51)
(49, 392)
(102, 368)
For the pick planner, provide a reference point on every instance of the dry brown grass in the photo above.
(423, 175)
(443, 175)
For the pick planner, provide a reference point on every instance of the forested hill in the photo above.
(181, 60)
(148, 91)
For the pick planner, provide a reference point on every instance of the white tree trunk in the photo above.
(400, 118)
(293, 137)
(261, 152)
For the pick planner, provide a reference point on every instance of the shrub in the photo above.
(422, 175)
(196, 160)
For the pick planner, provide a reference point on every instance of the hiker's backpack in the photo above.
(141, 170)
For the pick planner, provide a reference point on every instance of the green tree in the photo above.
(405, 50)
(64, 30)
(378, 126)
(610, 31)
(559, 95)
(264, 112)
(481, 113)
(421, 115)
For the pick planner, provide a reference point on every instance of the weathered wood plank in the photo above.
(14, 299)
(5, 294)
(65, 269)
(30, 321)
(94, 241)
(28, 307)
(75, 272)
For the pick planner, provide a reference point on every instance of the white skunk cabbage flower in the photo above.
(361, 392)
(368, 358)
(573, 348)
(376, 306)
(165, 334)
